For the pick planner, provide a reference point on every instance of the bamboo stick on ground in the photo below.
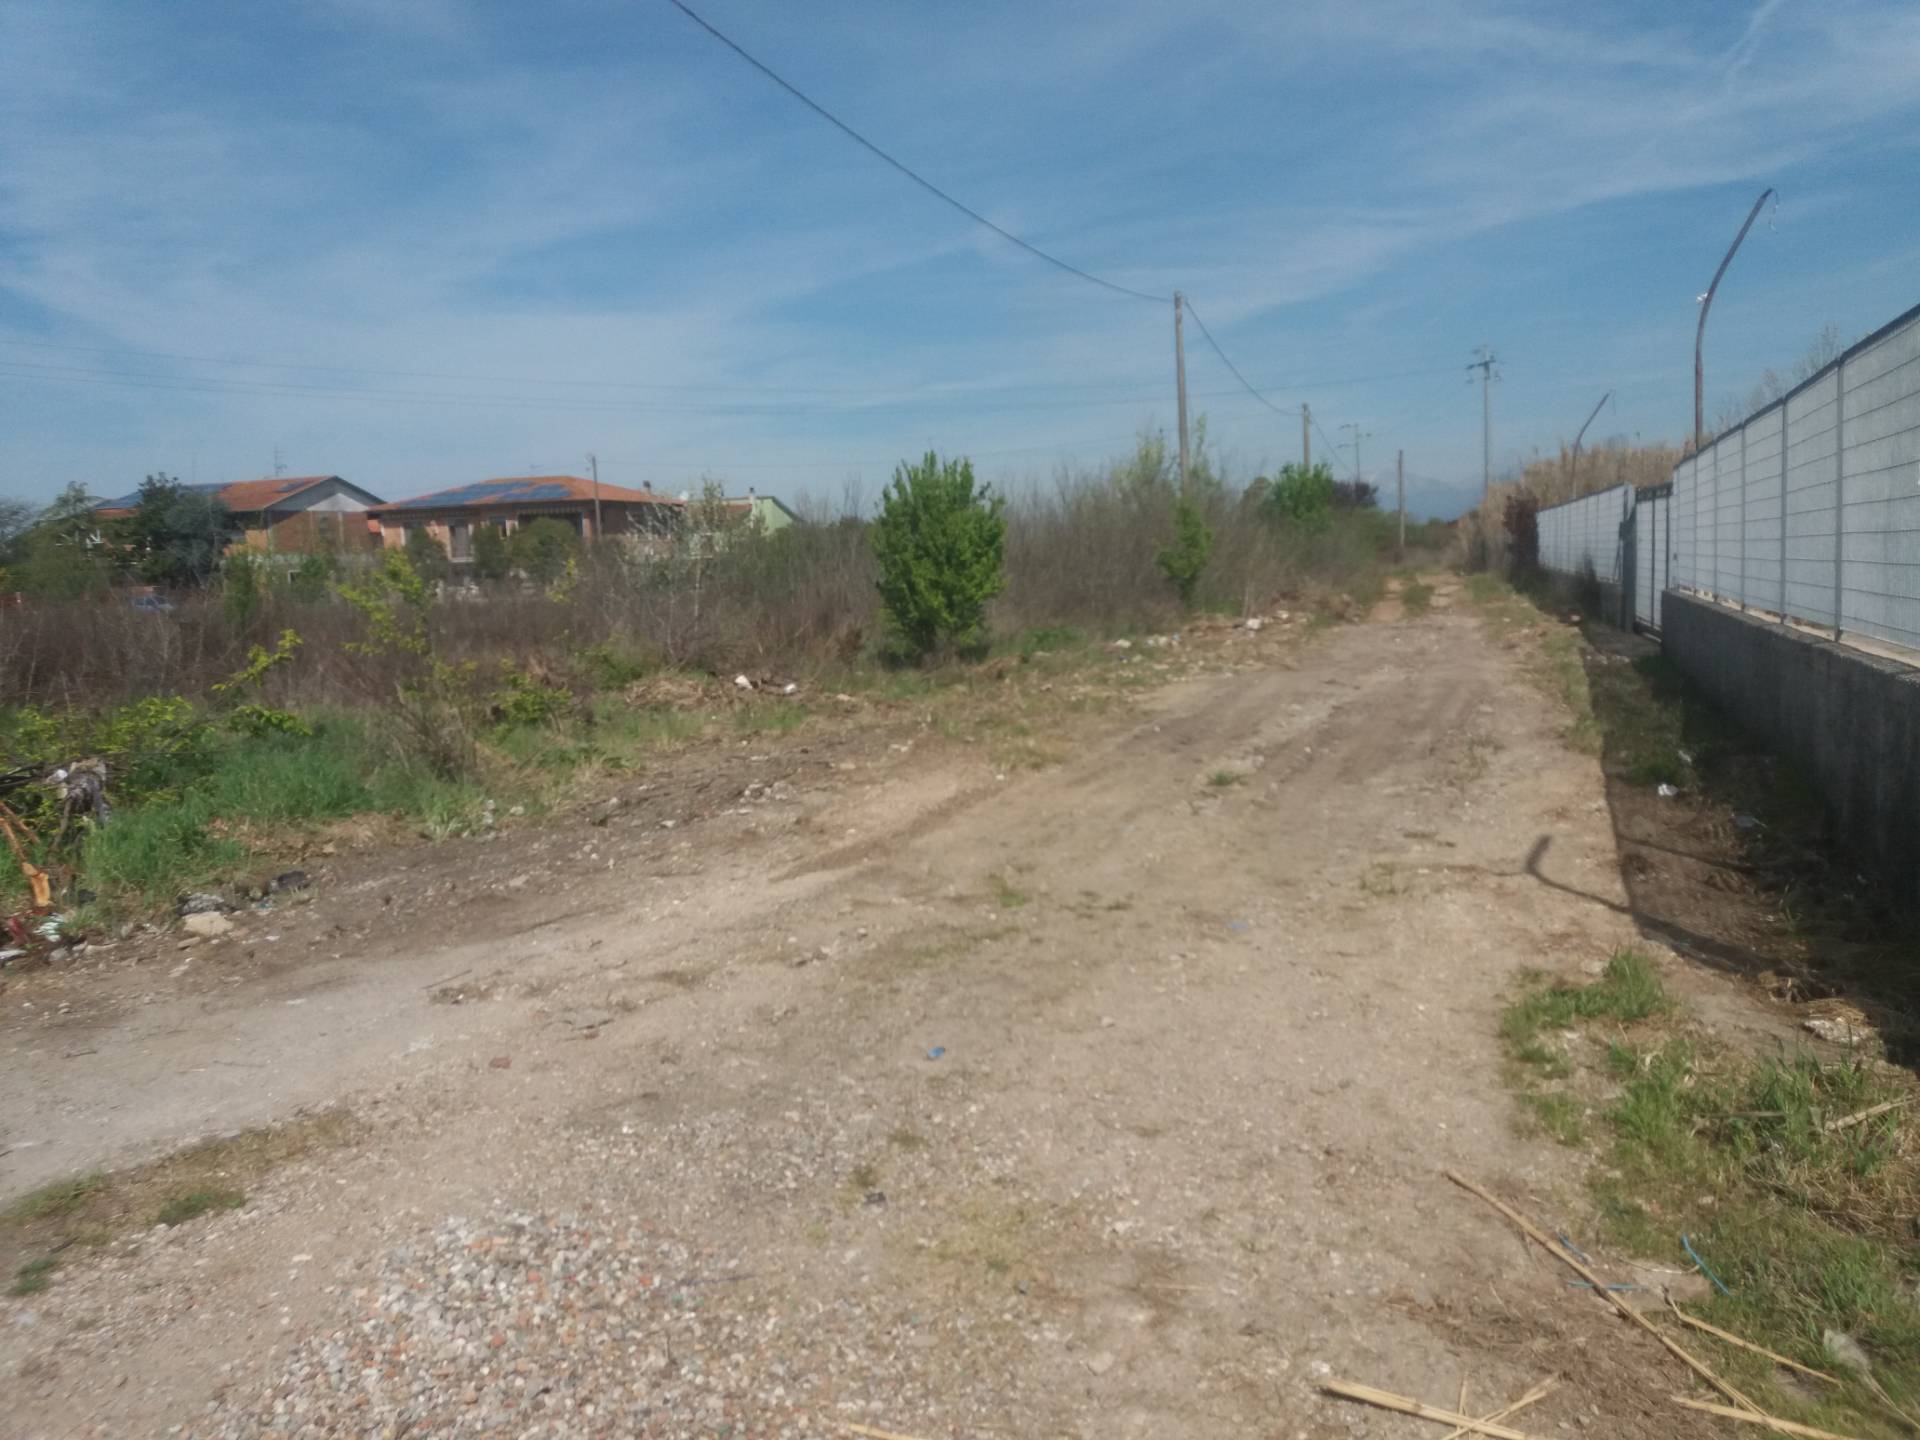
(1785, 1427)
(1387, 1400)
(1532, 1397)
(1867, 1114)
(873, 1434)
(1732, 1339)
(1560, 1253)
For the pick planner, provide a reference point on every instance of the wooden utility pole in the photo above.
(1306, 436)
(1180, 378)
(1400, 488)
(593, 465)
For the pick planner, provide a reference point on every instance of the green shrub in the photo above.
(545, 550)
(522, 700)
(939, 540)
(427, 555)
(1302, 497)
(491, 557)
(1185, 559)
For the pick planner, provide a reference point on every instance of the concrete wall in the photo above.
(1850, 719)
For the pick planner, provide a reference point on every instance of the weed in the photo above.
(1005, 895)
(1559, 1116)
(62, 1197)
(1807, 1223)
(1381, 879)
(863, 1177)
(192, 1204)
(1628, 990)
(1221, 779)
(1416, 598)
(32, 1277)
(905, 1138)
(781, 717)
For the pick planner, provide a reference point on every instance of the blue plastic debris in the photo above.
(936, 1052)
(1239, 927)
(1686, 1243)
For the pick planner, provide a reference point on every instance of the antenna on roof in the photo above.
(279, 465)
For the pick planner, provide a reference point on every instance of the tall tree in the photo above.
(175, 536)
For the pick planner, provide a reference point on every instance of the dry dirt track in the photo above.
(1204, 1050)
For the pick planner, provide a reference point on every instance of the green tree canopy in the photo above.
(939, 541)
(1302, 496)
(491, 560)
(543, 550)
(427, 555)
(175, 536)
(1185, 559)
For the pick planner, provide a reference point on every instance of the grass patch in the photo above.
(32, 1277)
(50, 1202)
(1628, 990)
(1416, 597)
(192, 1204)
(1559, 1115)
(1221, 779)
(1809, 1224)
(91, 1209)
(1006, 896)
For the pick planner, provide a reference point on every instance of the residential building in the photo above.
(453, 516)
(293, 513)
(766, 511)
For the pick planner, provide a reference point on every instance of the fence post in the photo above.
(1783, 512)
(1743, 517)
(1839, 485)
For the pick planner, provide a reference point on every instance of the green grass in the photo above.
(1005, 895)
(1221, 779)
(32, 1277)
(1628, 990)
(63, 1197)
(191, 1204)
(777, 717)
(1559, 1115)
(1416, 598)
(1810, 1226)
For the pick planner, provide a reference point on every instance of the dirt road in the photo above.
(1106, 1100)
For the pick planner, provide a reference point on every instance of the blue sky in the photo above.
(423, 243)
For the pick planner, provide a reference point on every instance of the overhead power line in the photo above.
(1244, 383)
(907, 170)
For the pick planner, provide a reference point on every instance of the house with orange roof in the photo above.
(291, 513)
(591, 509)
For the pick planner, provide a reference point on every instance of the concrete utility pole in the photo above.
(1306, 436)
(1485, 365)
(1700, 330)
(1400, 491)
(1358, 436)
(1180, 378)
(593, 465)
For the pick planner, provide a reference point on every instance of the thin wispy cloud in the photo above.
(600, 192)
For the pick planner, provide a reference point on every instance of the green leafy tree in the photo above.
(175, 536)
(243, 588)
(1185, 559)
(491, 558)
(312, 577)
(544, 550)
(58, 557)
(1302, 497)
(940, 540)
(427, 555)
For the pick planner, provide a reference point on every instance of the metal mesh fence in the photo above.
(1809, 510)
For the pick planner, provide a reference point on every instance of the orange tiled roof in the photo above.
(526, 490)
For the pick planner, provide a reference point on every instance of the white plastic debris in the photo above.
(741, 682)
(1666, 791)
